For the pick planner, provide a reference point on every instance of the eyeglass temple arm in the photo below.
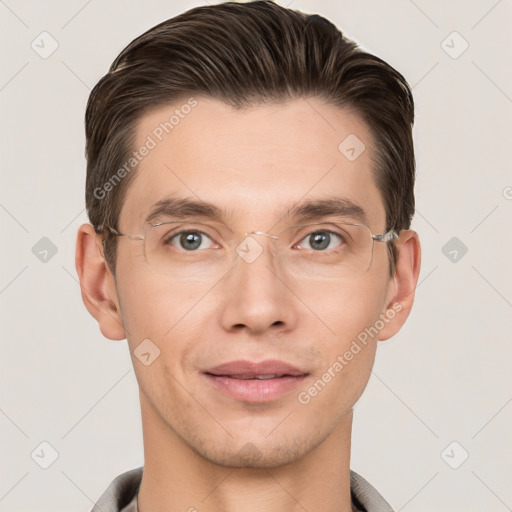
(386, 237)
(103, 227)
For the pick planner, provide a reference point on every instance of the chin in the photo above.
(263, 453)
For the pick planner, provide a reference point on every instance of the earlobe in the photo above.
(404, 283)
(97, 284)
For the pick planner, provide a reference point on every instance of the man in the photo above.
(250, 178)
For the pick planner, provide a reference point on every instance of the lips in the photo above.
(271, 368)
(250, 382)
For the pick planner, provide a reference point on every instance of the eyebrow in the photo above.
(301, 211)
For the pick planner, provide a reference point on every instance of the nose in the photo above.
(256, 297)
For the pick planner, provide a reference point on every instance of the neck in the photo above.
(177, 478)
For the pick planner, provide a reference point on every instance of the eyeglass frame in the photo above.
(385, 237)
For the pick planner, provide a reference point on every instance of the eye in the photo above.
(321, 240)
(190, 240)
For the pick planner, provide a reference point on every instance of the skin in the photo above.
(204, 449)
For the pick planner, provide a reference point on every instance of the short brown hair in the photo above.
(245, 54)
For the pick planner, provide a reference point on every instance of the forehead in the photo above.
(254, 163)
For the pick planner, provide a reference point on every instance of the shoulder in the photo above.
(120, 492)
(365, 496)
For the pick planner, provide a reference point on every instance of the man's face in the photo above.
(255, 164)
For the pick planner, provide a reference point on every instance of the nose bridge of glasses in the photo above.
(261, 233)
(249, 249)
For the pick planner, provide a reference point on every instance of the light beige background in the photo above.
(446, 377)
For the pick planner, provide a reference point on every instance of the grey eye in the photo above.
(191, 240)
(320, 240)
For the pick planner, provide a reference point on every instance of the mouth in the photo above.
(253, 377)
(255, 382)
(253, 389)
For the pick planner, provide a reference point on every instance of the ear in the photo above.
(401, 294)
(97, 283)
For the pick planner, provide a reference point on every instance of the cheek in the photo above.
(346, 369)
(167, 313)
(353, 314)
(350, 306)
